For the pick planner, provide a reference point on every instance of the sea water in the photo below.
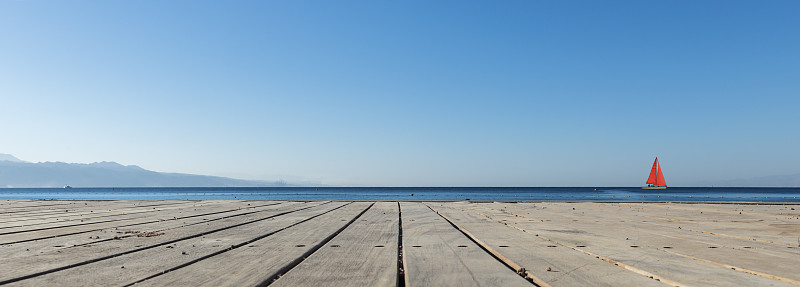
(719, 194)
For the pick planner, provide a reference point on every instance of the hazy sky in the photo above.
(407, 93)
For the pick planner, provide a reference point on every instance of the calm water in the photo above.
(416, 193)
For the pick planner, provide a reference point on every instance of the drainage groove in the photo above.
(37, 274)
(182, 226)
(496, 255)
(401, 273)
(107, 215)
(311, 251)
(148, 222)
(29, 206)
(61, 211)
(233, 247)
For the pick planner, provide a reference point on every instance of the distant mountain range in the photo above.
(8, 157)
(17, 173)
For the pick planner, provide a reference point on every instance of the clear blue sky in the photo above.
(407, 93)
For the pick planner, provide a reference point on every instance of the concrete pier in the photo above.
(389, 243)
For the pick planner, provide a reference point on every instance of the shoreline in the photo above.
(469, 201)
(612, 194)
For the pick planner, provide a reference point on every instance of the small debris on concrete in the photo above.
(149, 234)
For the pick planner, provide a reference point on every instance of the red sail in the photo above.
(653, 173)
(660, 178)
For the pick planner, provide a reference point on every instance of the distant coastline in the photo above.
(21, 174)
(16, 173)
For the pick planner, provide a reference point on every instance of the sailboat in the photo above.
(656, 179)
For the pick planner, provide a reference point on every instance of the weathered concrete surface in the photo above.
(320, 243)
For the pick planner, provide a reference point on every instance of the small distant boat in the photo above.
(67, 187)
(656, 179)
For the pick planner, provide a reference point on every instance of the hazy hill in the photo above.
(17, 173)
(8, 157)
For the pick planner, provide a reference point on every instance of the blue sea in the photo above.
(726, 194)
